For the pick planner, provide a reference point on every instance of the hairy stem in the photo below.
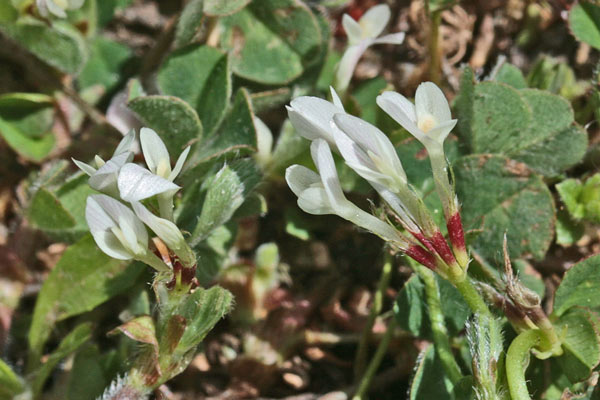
(438, 325)
(517, 359)
(471, 295)
(361, 354)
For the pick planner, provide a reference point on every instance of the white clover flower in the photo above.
(136, 183)
(57, 7)
(157, 157)
(167, 231)
(322, 194)
(264, 143)
(368, 151)
(429, 119)
(103, 177)
(362, 34)
(118, 232)
(311, 116)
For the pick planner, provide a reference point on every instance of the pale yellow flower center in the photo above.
(61, 3)
(426, 123)
(163, 169)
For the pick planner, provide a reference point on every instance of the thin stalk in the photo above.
(365, 382)
(361, 354)
(435, 66)
(471, 295)
(516, 360)
(438, 325)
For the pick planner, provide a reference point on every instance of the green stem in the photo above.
(516, 363)
(361, 354)
(438, 325)
(165, 206)
(471, 295)
(365, 382)
(435, 67)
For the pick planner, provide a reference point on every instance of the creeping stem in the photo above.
(516, 362)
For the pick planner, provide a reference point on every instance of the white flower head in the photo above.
(429, 119)
(157, 157)
(368, 151)
(311, 116)
(57, 8)
(362, 34)
(115, 228)
(322, 193)
(136, 183)
(103, 177)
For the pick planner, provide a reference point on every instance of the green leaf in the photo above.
(173, 119)
(25, 123)
(527, 125)
(501, 196)
(579, 286)
(580, 345)
(46, 212)
(581, 199)
(68, 345)
(584, 21)
(87, 380)
(82, 279)
(189, 23)
(202, 310)
(219, 8)
(554, 143)
(201, 76)
(105, 64)
(429, 380)
(59, 45)
(33, 149)
(236, 133)
(10, 383)
(224, 192)
(567, 231)
(511, 75)
(272, 42)
(140, 329)
(30, 113)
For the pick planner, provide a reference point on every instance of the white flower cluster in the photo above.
(57, 8)
(369, 152)
(117, 219)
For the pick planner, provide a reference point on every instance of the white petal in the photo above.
(136, 183)
(352, 28)
(121, 215)
(88, 169)
(430, 101)
(264, 140)
(154, 149)
(105, 178)
(310, 117)
(402, 111)
(392, 38)
(75, 4)
(126, 144)
(321, 155)
(336, 98)
(441, 132)
(97, 219)
(120, 116)
(179, 164)
(373, 22)
(315, 201)
(345, 69)
(55, 9)
(164, 229)
(111, 246)
(42, 9)
(299, 178)
(370, 138)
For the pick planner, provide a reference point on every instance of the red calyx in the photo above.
(442, 248)
(455, 232)
(422, 256)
